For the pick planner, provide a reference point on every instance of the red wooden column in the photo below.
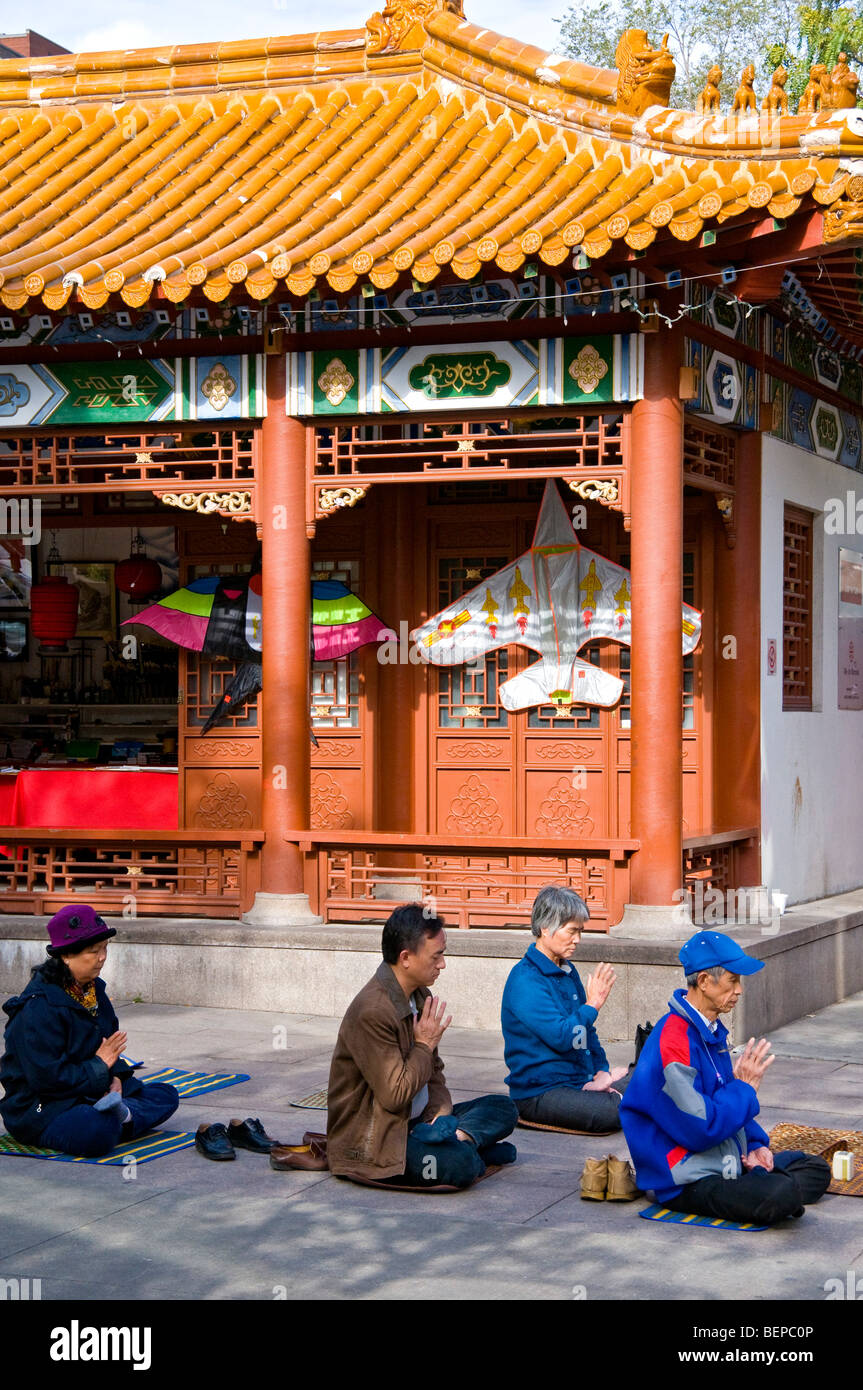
(657, 663)
(286, 628)
(737, 696)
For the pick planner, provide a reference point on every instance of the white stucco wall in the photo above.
(812, 763)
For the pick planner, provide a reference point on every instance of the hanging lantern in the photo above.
(139, 576)
(54, 612)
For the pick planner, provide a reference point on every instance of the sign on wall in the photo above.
(850, 629)
(492, 375)
(223, 387)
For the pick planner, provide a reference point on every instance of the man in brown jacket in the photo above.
(390, 1113)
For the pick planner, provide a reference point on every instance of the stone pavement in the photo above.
(186, 1228)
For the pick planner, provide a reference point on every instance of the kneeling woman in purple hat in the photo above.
(65, 1084)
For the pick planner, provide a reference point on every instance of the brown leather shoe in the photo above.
(594, 1179)
(621, 1181)
(310, 1158)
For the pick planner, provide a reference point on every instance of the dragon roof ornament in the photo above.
(401, 24)
(646, 73)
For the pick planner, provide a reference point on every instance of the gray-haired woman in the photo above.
(558, 1072)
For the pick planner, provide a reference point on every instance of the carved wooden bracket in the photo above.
(329, 500)
(609, 492)
(725, 507)
(238, 505)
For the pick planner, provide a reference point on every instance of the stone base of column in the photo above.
(281, 910)
(646, 921)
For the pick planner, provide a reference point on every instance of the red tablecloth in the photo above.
(7, 797)
(95, 798)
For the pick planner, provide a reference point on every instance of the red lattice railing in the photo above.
(470, 883)
(208, 873)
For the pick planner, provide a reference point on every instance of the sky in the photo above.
(89, 25)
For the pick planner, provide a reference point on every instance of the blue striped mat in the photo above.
(143, 1149)
(682, 1218)
(196, 1083)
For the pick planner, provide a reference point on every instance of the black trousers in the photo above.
(758, 1196)
(570, 1108)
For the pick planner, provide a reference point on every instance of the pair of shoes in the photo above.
(310, 1156)
(250, 1134)
(219, 1142)
(608, 1179)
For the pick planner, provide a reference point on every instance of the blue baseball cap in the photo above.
(708, 948)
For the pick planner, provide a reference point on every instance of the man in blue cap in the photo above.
(689, 1112)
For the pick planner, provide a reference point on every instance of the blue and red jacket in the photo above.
(684, 1114)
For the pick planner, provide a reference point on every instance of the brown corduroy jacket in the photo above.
(377, 1070)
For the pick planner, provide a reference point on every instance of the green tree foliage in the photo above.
(731, 33)
(824, 30)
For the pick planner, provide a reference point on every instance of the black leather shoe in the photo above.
(213, 1142)
(250, 1134)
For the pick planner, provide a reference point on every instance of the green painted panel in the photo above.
(588, 369)
(335, 382)
(107, 393)
(459, 375)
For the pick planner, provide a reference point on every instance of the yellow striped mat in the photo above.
(143, 1149)
(683, 1218)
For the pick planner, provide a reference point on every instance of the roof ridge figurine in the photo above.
(744, 98)
(709, 98)
(776, 100)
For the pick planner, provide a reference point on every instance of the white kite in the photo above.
(555, 598)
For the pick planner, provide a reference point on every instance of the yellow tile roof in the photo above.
(416, 143)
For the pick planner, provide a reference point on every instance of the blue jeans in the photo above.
(89, 1133)
(435, 1156)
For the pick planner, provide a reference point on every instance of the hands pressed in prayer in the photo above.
(599, 985)
(110, 1048)
(431, 1025)
(753, 1062)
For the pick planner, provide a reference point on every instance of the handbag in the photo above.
(642, 1033)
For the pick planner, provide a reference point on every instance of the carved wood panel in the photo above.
(571, 804)
(336, 799)
(475, 803)
(223, 799)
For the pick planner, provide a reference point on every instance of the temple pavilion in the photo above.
(338, 308)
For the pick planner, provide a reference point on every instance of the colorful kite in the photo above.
(555, 598)
(221, 616)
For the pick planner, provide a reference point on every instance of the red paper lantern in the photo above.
(54, 611)
(139, 577)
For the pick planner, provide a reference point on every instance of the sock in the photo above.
(114, 1101)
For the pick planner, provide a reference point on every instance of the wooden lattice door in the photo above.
(545, 773)
(220, 772)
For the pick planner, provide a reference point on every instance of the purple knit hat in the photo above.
(76, 926)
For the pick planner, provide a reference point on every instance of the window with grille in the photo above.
(208, 677)
(797, 610)
(336, 684)
(467, 695)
